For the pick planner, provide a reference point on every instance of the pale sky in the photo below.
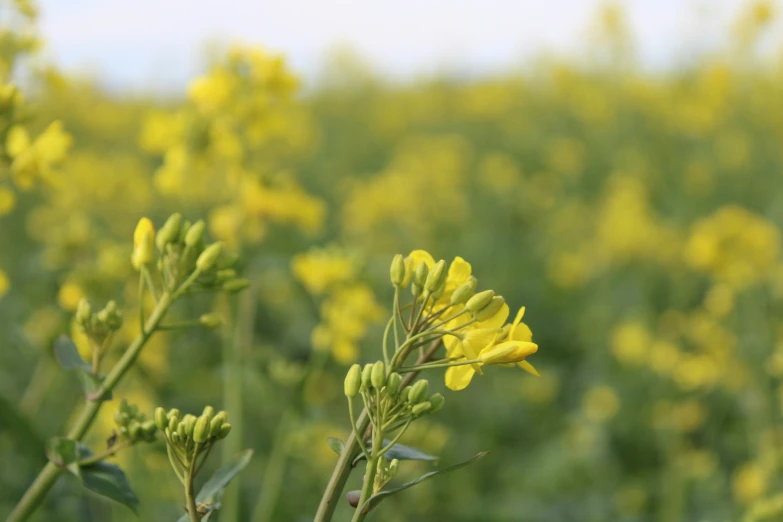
(159, 44)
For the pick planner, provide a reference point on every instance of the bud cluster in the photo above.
(384, 396)
(132, 425)
(385, 472)
(98, 326)
(187, 435)
(183, 252)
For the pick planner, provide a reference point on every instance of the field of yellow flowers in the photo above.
(637, 215)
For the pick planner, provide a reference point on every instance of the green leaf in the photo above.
(109, 480)
(209, 496)
(400, 452)
(61, 451)
(376, 499)
(67, 354)
(336, 444)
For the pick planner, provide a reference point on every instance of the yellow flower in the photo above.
(143, 244)
(479, 344)
(7, 200)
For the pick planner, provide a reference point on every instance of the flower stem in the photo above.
(369, 479)
(48, 475)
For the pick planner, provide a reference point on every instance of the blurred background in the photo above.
(615, 167)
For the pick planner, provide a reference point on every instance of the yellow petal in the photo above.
(508, 352)
(521, 333)
(417, 256)
(497, 320)
(528, 368)
(517, 320)
(458, 377)
(459, 271)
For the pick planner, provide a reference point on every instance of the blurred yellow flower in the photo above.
(600, 404)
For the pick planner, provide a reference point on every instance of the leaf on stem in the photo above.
(103, 478)
(336, 444)
(400, 452)
(378, 497)
(67, 355)
(208, 497)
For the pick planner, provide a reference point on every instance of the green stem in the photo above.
(190, 490)
(369, 478)
(105, 455)
(48, 475)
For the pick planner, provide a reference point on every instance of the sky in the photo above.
(158, 45)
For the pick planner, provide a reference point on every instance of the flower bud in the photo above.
(419, 391)
(378, 375)
(175, 438)
(143, 244)
(393, 468)
(393, 383)
(194, 234)
(226, 274)
(161, 421)
(121, 418)
(436, 277)
(491, 309)
(189, 422)
(173, 423)
(173, 412)
(210, 321)
(405, 394)
(83, 312)
(134, 430)
(209, 257)
(464, 292)
(209, 411)
(149, 428)
(437, 402)
(225, 429)
(182, 430)
(169, 232)
(420, 274)
(421, 407)
(235, 285)
(397, 271)
(367, 376)
(201, 429)
(215, 424)
(353, 381)
(480, 300)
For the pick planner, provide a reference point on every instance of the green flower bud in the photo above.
(201, 430)
(235, 285)
(397, 271)
(121, 418)
(405, 394)
(183, 431)
(419, 391)
(175, 438)
(210, 321)
(134, 430)
(491, 309)
(416, 289)
(226, 274)
(421, 407)
(480, 300)
(436, 277)
(225, 429)
(463, 293)
(393, 383)
(83, 312)
(209, 411)
(206, 261)
(169, 232)
(195, 233)
(420, 275)
(125, 407)
(393, 468)
(437, 402)
(378, 375)
(161, 421)
(353, 381)
(367, 376)
(189, 422)
(214, 425)
(173, 423)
